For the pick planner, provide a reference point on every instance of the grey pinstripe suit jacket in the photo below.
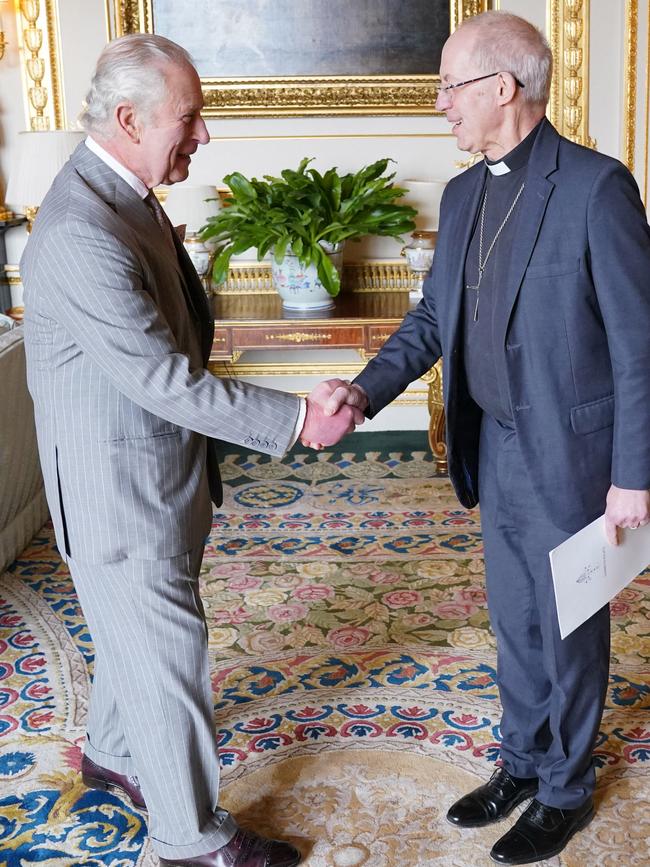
(117, 335)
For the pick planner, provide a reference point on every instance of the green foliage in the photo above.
(303, 210)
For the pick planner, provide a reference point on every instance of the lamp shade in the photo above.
(425, 197)
(40, 157)
(192, 205)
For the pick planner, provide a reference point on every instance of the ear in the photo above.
(507, 87)
(127, 121)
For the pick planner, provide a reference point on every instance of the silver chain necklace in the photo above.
(481, 261)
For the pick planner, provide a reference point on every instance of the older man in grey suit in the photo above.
(118, 333)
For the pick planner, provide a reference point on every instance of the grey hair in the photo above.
(508, 43)
(131, 68)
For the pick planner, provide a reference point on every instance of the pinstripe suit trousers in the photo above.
(151, 712)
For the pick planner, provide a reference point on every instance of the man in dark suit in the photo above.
(118, 333)
(539, 302)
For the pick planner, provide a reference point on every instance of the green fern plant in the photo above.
(302, 210)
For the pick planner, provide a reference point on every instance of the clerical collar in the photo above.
(518, 156)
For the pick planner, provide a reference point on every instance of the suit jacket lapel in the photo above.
(123, 200)
(534, 200)
(130, 208)
(461, 235)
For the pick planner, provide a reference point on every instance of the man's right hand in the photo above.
(334, 407)
(321, 430)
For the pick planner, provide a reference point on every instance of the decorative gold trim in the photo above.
(553, 32)
(462, 9)
(436, 406)
(298, 337)
(312, 96)
(387, 275)
(52, 18)
(631, 73)
(37, 26)
(309, 95)
(133, 16)
(568, 28)
(412, 397)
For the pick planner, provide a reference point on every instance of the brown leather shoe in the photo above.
(96, 777)
(246, 849)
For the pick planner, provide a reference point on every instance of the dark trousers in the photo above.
(552, 690)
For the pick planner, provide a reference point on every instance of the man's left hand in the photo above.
(625, 508)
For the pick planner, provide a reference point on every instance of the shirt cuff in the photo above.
(300, 421)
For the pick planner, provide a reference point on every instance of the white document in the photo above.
(588, 571)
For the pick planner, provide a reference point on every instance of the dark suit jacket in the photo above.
(575, 331)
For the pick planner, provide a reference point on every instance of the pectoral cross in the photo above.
(476, 289)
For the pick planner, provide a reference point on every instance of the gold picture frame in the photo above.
(309, 95)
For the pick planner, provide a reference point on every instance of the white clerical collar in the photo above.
(132, 180)
(499, 168)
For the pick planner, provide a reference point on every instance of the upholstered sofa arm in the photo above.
(23, 509)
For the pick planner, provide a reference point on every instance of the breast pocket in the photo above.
(553, 269)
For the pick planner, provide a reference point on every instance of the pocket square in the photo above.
(180, 231)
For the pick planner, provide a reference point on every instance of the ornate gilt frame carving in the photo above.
(630, 66)
(308, 95)
(568, 33)
(43, 97)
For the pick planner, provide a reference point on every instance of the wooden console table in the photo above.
(361, 320)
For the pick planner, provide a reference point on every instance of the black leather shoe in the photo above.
(246, 849)
(492, 801)
(96, 777)
(541, 832)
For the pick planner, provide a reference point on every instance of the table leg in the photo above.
(437, 417)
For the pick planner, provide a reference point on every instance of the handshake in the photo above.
(334, 409)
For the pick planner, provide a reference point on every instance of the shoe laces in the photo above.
(498, 781)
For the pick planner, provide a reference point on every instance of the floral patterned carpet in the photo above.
(353, 676)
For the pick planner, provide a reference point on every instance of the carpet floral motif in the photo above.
(353, 671)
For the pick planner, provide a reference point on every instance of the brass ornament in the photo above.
(298, 337)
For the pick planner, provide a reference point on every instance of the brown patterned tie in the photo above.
(160, 217)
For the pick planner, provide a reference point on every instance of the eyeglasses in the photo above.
(448, 87)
